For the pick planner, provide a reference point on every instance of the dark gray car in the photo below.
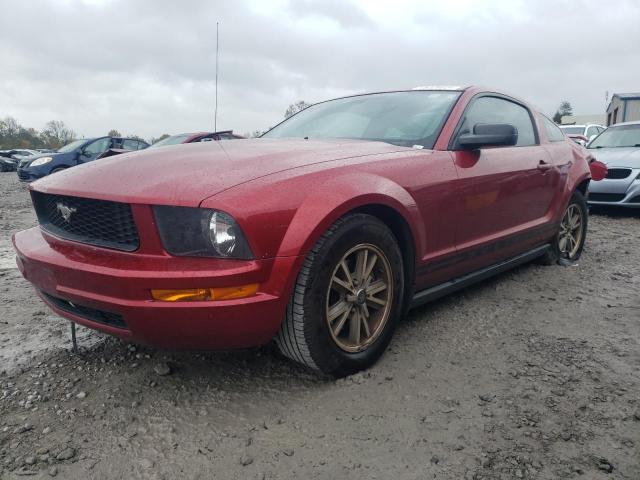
(619, 148)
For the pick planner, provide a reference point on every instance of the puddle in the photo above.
(19, 346)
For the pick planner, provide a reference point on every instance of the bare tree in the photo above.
(114, 133)
(295, 108)
(56, 134)
(9, 127)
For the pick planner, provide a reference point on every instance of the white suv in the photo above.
(582, 134)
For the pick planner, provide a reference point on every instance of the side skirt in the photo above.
(433, 293)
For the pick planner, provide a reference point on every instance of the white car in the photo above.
(582, 134)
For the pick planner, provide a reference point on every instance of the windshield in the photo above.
(70, 147)
(622, 136)
(573, 130)
(172, 140)
(400, 118)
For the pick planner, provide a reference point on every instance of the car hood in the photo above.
(186, 174)
(618, 157)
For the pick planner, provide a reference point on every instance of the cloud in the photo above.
(148, 67)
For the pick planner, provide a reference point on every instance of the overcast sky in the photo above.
(147, 67)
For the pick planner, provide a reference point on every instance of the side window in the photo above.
(554, 134)
(499, 110)
(142, 145)
(96, 148)
(129, 144)
(591, 131)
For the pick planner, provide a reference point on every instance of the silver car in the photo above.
(619, 148)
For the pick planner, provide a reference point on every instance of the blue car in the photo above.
(75, 153)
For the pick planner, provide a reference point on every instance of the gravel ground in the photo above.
(534, 374)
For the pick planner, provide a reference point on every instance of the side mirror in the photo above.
(489, 135)
(598, 170)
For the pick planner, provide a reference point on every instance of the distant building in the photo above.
(624, 107)
(583, 119)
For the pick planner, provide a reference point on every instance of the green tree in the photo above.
(295, 108)
(565, 108)
(114, 133)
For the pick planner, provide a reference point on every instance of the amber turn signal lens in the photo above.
(202, 294)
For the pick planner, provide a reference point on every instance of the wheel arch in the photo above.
(370, 194)
(583, 186)
(364, 193)
(402, 231)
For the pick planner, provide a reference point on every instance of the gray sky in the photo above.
(147, 67)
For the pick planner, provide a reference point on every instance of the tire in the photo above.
(56, 170)
(361, 327)
(560, 253)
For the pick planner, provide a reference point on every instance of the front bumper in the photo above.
(25, 175)
(91, 285)
(624, 192)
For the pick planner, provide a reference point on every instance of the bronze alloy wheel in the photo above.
(571, 232)
(359, 298)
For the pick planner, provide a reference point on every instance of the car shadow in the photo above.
(614, 212)
(255, 369)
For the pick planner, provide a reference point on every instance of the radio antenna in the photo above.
(215, 115)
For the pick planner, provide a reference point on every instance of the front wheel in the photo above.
(568, 244)
(347, 298)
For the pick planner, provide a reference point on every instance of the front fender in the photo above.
(334, 198)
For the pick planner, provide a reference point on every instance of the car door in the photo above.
(504, 194)
(95, 149)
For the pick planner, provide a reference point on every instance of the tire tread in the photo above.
(292, 337)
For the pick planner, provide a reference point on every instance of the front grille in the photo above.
(22, 175)
(93, 314)
(606, 197)
(618, 173)
(635, 199)
(96, 222)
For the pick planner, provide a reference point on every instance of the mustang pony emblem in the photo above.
(65, 211)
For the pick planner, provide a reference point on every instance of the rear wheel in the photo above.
(568, 244)
(347, 298)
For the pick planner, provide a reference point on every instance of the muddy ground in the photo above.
(534, 374)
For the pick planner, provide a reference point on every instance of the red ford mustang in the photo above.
(320, 234)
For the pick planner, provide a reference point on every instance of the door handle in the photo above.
(544, 166)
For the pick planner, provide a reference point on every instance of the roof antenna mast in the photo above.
(215, 115)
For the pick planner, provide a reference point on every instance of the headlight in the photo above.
(200, 232)
(40, 161)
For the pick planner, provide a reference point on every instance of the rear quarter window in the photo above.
(554, 134)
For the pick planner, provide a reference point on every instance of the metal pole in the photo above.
(215, 115)
(73, 337)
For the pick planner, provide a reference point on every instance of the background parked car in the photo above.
(75, 153)
(11, 158)
(8, 164)
(197, 137)
(619, 148)
(582, 134)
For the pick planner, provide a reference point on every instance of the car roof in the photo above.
(635, 122)
(455, 88)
